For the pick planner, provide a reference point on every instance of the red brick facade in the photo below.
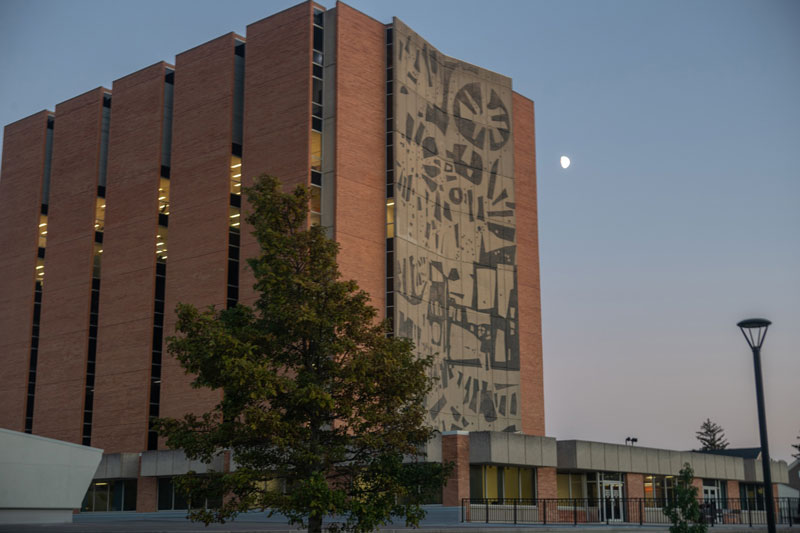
(360, 139)
(20, 200)
(546, 482)
(275, 140)
(63, 342)
(128, 270)
(199, 202)
(277, 112)
(530, 307)
(455, 449)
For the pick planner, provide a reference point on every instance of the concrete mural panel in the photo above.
(455, 276)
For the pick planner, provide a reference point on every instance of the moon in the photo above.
(564, 161)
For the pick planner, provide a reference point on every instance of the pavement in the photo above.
(438, 520)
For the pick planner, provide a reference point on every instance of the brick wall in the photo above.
(546, 482)
(277, 113)
(63, 344)
(199, 199)
(360, 226)
(124, 343)
(455, 448)
(530, 307)
(20, 200)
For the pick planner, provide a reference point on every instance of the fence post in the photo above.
(487, 510)
(641, 512)
(515, 510)
(462, 510)
(574, 511)
(544, 509)
(750, 515)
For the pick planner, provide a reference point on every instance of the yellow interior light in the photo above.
(235, 215)
(43, 224)
(237, 165)
(390, 203)
(40, 266)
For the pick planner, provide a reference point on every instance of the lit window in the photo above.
(389, 218)
(100, 214)
(236, 174)
(39, 269)
(316, 151)
(234, 216)
(161, 243)
(42, 231)
(163, 196)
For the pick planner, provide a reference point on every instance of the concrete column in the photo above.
(455, 448)
(547, 486)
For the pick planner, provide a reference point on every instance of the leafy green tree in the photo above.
(711, 436)
(683, 510)
(323, 413)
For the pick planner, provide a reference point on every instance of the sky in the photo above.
(679, 216)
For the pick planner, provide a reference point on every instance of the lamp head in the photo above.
(754, 331)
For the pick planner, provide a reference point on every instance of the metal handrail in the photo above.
(641, 511)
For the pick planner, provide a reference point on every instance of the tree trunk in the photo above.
(314, 524)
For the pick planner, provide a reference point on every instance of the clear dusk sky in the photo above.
(679, 216)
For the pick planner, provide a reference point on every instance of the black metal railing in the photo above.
(620, 510)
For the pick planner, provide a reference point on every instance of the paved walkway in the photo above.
(439, 520)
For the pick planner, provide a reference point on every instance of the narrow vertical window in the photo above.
(97, 256)
(39, 279)
(161, 260)
(235, 199)
(315, 207)
(390, 207)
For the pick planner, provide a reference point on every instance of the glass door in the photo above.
(612, 501)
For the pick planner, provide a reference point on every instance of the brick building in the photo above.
(125, 201)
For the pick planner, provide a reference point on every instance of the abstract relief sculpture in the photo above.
(455, 276)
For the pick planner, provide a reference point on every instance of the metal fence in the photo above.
(620, 510)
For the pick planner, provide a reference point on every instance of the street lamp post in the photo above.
(754, 331)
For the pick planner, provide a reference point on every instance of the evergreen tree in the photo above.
(684, 510)
(712, 436)
(322, 411)
(796, 447)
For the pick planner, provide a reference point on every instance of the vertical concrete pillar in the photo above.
(546, 484)
(455, 448)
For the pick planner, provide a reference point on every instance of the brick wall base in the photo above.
(455, 448)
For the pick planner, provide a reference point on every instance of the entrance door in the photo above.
(612, 501)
